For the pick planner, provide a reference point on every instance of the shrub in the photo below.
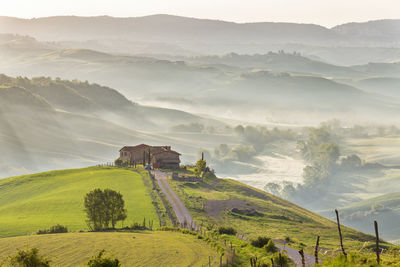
(138, 226)
(270, 247)
(54, 230)
(118, 162)
(260, 242)
(29, 258)
(226, 230)
(281, 259)
(100, 261)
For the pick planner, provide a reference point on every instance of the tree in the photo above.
(29, 258)
(100, 261)
(351, 162)
(104, 208)
(200, 167)
(115, 206)
(95, 210)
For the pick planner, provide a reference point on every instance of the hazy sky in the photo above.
(323, 12)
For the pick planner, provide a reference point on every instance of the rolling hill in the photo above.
(385, 209)
(157, 28)
(32, 202)
(206, 84)
(254, 212)
(58, 123)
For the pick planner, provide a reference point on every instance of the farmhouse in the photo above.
(157, 156)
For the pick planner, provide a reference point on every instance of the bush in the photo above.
(281, 259)
(29, 258)
(260, 242)
(270, 247)
(226, 230)
(54, 230)
(100, 261)
(138, 226)
(118, 162)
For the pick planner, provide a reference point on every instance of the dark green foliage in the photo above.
(260, 242)
(118, 162)
(281, 259)
(104, 209)
(29, 258)
(270, 247)
(54, 230)
(100, 261)
(137, 226)
(200, 167)
(226, 230)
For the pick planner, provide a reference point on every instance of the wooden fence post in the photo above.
(340, 233)
(303, 263)
(316, 250)
(377, 242)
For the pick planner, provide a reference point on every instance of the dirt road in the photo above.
(295, 256)
(181, 212)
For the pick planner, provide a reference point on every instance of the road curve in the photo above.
(295, 256)
(181, 212)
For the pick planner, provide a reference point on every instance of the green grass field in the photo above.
(276, 217)
(132, 249)
(32, 202)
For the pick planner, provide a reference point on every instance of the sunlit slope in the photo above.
(384, 209)
(132, 249)
(32, 202)
(253, 212)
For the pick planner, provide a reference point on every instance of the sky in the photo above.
(323, 12)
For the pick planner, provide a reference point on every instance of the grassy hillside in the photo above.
(384, 209)
(132, 249)
(32, 202)
(254, 212)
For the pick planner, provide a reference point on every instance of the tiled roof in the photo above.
(130, 148)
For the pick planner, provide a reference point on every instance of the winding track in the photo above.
(183, 215)
(181, 212)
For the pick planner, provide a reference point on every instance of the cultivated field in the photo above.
(132, 249)
(32, 202)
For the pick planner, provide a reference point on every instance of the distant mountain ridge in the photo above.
(175, 29)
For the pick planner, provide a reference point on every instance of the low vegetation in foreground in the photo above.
(145, 248)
